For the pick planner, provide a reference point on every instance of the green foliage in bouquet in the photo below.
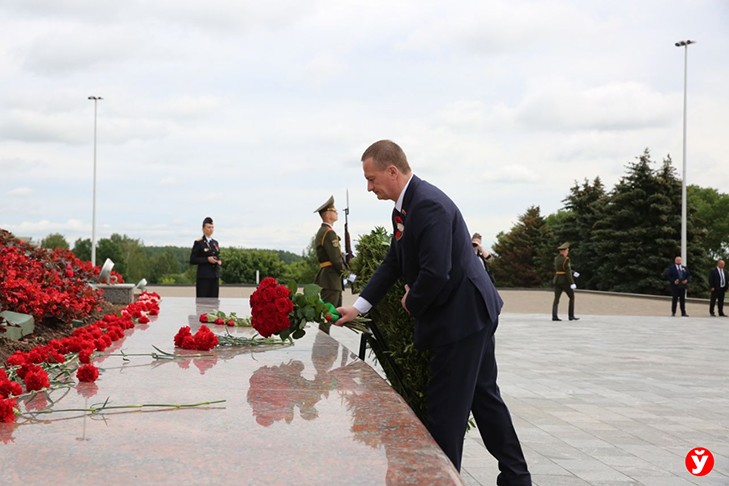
(308, 307)
(410, 375)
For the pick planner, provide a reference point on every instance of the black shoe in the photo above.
(556, 319)
(673, 314)
(722, 315)
(684, 315)
(574, 318)
(712, 314)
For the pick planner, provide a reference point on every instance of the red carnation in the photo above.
(87, 373)
(7, 410)
(36, 380)
(8, 388)
(84, 356)
(181, 335)
(18, 358)
(205, 340)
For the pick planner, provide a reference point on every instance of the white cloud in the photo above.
(253, 112)
(20, 192)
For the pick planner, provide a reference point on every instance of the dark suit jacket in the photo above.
(448, 288)
(715, 282)
(199, 256)
(673, 274)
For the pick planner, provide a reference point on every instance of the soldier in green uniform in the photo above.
(331, 260)
(563, 282)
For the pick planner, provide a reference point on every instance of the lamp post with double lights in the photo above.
(96, 100)
(685, 45)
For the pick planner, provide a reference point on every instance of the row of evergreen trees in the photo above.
(622, 240)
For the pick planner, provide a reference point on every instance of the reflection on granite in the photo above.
(311, 413)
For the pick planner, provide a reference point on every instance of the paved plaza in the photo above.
(619, 397)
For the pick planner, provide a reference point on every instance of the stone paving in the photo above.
(612, 399)
(609, 399)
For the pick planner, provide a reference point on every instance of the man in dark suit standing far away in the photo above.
(455, 306)
(718, 284)
(678, 279)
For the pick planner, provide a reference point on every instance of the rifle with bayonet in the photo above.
(347, 240)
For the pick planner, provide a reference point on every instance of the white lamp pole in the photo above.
(96, 100)
(685, 45)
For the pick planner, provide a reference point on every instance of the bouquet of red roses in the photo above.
(280, 309)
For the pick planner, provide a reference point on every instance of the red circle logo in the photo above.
(699, 461)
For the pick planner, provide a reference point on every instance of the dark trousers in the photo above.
(334, 297)
(679, 295)
(558, 289)
(717, 296)
(207, 287)
(463, 380)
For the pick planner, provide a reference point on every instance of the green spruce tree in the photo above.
(524, 253)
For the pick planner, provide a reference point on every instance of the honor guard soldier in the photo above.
(563, 282)
(206, 255)
(331, 260)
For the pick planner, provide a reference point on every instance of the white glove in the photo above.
(352, 277)
(573, 286)
(575, 274)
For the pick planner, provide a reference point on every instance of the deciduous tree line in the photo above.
(170, 264)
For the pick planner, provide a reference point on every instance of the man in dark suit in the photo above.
(455, 306)
(718, 284)
(678, 278)
(206, 255)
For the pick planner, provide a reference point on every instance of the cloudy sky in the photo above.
(256, 112)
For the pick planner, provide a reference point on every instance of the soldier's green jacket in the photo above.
(562, 271)
(331, 260)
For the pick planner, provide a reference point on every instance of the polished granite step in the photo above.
(308, 413)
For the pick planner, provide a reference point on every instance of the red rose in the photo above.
(203, 318)
(282, 291)
(219, 321)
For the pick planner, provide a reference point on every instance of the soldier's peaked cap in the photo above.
(564, 246)
(326, 206)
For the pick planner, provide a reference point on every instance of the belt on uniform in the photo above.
(325, 264)
(560, 273)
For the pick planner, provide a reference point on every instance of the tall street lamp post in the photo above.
(96, 100)
(685, 45)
